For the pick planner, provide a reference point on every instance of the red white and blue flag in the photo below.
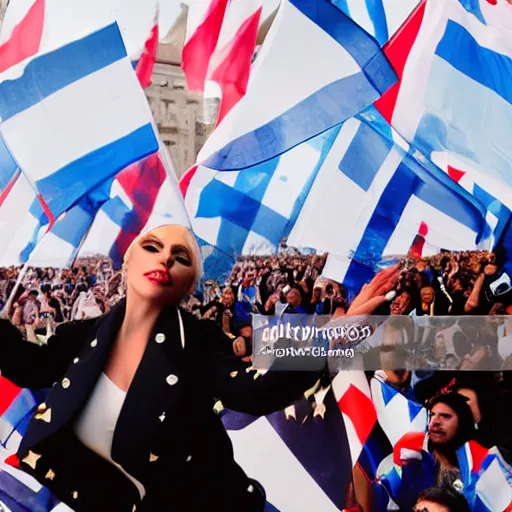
(287, 102)
(31, 27)
(453, 100)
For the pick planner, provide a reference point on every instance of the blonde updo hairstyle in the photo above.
(197, 261)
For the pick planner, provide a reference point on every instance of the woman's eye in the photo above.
(150, 248)
(184, 260)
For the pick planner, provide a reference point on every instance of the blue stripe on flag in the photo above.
(119, 213)
(20, 498)
(74, 226)
(320, 445)
(238, 206)
(437, 189)
(8, 166)
(473, 6)
(376, 448)
(240, 215)
(378, 17)
(385, 219)
(323, 143)
(116, 210)
(80, 176)
(364, 156)
(21, 406)
(347, 33)
(490, 203)
(342, 5)
(414, 409)
(328, 107)
(490, 69)
(37, 212)
(388, 393)
(53, 71)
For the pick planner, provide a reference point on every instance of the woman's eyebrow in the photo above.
(152, 238)
(180, 247)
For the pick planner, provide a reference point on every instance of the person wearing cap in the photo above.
(129, 423)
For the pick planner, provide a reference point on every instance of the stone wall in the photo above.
(180, 115)
(3, 7)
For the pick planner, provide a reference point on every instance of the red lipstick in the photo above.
(159, 277)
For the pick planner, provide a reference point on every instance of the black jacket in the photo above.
(185, 459)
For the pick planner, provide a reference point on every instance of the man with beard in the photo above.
(450, 427)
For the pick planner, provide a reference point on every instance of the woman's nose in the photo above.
(169, 262)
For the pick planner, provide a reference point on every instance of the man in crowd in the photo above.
(451, 425)
(436, 499)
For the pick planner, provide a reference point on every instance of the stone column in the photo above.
(179, 115)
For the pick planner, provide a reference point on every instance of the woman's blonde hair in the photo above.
(197, 259)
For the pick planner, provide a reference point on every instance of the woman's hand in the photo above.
(239, 347)
(472, 361)
(373, 294)
(210, 312)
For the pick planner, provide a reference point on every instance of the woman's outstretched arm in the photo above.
(249, 392)
(38, 366)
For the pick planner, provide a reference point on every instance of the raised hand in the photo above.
(374, 293)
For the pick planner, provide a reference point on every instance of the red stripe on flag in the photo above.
(199, 49)
(186, 179)
(9, 187)
(147, 60)
(25, 38)
(360, 409)
(13, 461)
(397, 51)
(232, 66)
(8, 392)
(141, 182)
(455, 174)
(47, 212)
(478, 453)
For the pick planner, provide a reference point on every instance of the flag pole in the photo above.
(24, 269)
(5, 311)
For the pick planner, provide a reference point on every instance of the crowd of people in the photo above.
(448, 285)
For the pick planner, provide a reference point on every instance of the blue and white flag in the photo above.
(307, 444)
(454, 100)
(8, 171)
(373, 196)
(74, 117)
(252, 210)
(380, 18)
(17, 224)
(288, 102)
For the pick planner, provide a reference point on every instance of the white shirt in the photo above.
(96, 425)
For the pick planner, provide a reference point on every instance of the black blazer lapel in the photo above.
(69, 395)
(156, 387)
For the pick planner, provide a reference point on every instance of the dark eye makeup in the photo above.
(150, 248)
(179, 253)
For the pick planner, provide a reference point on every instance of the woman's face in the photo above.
(427, 295)
(161, 267)
(228, 297)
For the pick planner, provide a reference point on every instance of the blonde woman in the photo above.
(129, 424)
